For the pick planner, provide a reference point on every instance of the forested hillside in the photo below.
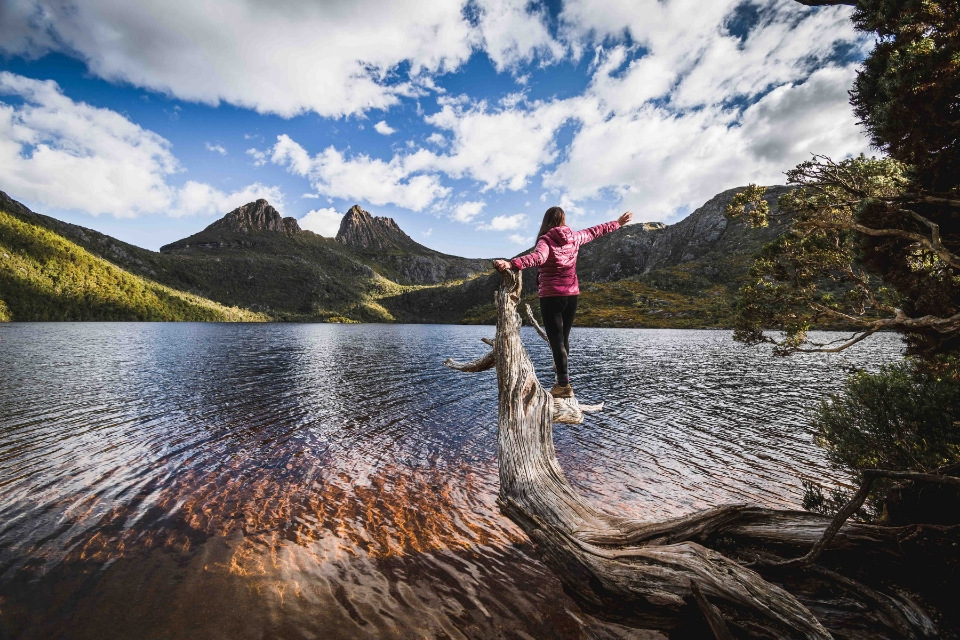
(44, 276)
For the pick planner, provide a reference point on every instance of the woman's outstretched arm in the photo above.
(533, 259)
(606, 227)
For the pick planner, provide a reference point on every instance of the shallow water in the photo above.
(335, 481)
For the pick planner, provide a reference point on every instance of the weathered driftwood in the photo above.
(718, 571)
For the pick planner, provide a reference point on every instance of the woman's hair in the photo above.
(554, 217)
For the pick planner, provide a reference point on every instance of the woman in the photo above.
(556, 255)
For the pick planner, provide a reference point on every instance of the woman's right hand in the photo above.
(501, 265)
(625, 218)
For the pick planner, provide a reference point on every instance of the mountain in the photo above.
(363, 232)
(285, 273)
(650, 274)
(705, 241)
(381, 242)
(252, 217)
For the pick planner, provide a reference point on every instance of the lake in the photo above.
(336, 481)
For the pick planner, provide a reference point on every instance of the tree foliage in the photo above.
(874, 243)
(908, 93)
(43, 276)
(903, 418)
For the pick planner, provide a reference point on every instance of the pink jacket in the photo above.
(556, 255)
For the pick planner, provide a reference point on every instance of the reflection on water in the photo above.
(206, 480)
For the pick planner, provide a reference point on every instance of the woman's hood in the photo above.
(560, 235)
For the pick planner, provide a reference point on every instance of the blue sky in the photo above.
(463, 121)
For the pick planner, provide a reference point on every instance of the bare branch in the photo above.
(933, 245)
(649, 573)
(480, 364)
(845, 345)
(869, 475)
(928, 199)
(711, 613)
(533, 321)
(840, 314)
(900, 322)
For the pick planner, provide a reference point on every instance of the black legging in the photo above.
(558, 312)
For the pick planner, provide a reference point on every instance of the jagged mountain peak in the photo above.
(360, 230)
(255, 216)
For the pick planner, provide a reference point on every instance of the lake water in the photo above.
(336, 481)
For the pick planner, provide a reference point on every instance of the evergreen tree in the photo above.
(875, 244)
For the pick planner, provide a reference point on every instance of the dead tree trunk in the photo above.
(722, 569)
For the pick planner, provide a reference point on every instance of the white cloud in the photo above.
(467, 211)
(676, 161)
(290, 154)
(384, 129)
(793, 121)
(690, 53)
(325, 222)
(75, 156)
(787, 44)
(197, 198)
(501, 147)
(280, 57)
(437, 139)
(216, 148)
(259, 157)
(400, 181)
(427, 233)
(504, 223)
(523, 241)
(71, 155)
(643, 79)
(512, 34)
(311, 196)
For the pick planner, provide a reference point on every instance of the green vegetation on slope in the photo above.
(43, 276)
(629, 303)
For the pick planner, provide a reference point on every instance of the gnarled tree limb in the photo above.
(869, 476)
(647, 573)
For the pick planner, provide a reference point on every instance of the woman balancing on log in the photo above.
(556, 256)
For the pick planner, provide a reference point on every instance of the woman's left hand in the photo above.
(501, 265)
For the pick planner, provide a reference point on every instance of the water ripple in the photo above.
(204, 480)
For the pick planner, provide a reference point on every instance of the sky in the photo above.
(463, 121)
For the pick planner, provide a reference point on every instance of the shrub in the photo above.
(905, 417)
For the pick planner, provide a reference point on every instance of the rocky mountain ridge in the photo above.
(373, 271)
(703, 258)
(381, 241)
(377, 242)
(640, 249)
(364, 232)
(256, 216)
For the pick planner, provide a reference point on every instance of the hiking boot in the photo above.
(562, 391)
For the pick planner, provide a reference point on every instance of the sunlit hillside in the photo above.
(43, 276)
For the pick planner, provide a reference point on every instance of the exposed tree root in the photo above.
(725, 565)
